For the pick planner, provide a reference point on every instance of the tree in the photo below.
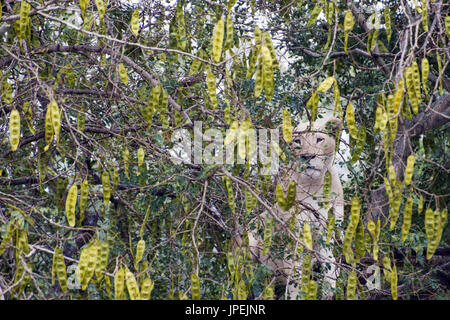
(94, 91)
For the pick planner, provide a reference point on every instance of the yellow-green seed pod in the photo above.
(330, 225)
(211, 84)
(394, 280)
(14, 129)
(101, 9)
(195, 287)
(84, 4)
(387, 23)
(416, 81)
(71, 202)
(351, 123)
(326, 189)
(287, 126)
(337, 100)
(230, 32)
(425, 72)
(259, 79)
(360, 142)
(447, 25)
(387, 267)
(140, 248)
(312, 290)
(140, 156)
(108, 287)
(409, 169)
(313, 104)
(56, 118)
(106, 187)
(48, 134)
(61, 269)
(351, 286)
(314, 13)
(325, 85)
(267, 70)
(102, 262)
(217, 41)
(347, 246)
(282, 202)
(420, 205)
(307, 236)
(119, 284)
(268, 230)
(134, 23)
(146, 288)
(424, 15)
(360, 246)
(355, 211)
(92, 255)
(115, 178)
(132, 286)
(407, 218)
(123, 74)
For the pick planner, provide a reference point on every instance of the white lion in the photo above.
(314, 151)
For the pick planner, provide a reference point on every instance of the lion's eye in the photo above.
(319, 140)
(298, 141)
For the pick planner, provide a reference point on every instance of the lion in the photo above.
(314, 153)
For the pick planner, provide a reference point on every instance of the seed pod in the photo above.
(447, 25)
(337, 100)
(61, 269)
(387, 267)
(287, 126)
(106, 187)
(424, 15)
(102, 263)
(84, 4)
(123, 74)
(268, 230)
(395, 204)
(359, 144)
(351, 123)
(313, 104)
(409, 169)
(219, 32)
(325, 85)
(429, 223)
(101, 9)
(387, 23)
(134, 23)
(146, 288)
(23, 19)
(347, 246)
(360, 246)
(119, 284)
(307, 236)
(410, 86)
(267, 70)
(195, 287)
(330, 225)
(140, 248)
(48, 126)
(108, 287)
(394, 282)
(407, 219)
(326, 189)
(211, 84)
(81, 120)
(115, 178)
(92, 254)
(56, 118)
(416, 81)
(230, 31)
(425, 72)
(14, 129)
(140, 156)
(351, 286)
(314, 13)
(312, 290)
(420, 205)
(269, 44)
(132, 286)
(71, 202)
(252, 58)
(259, 79)
(355, 211)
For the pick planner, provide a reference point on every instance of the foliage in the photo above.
(99, 88)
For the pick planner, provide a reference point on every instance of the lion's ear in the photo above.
(333, 126)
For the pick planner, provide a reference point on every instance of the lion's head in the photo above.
(314, 147)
